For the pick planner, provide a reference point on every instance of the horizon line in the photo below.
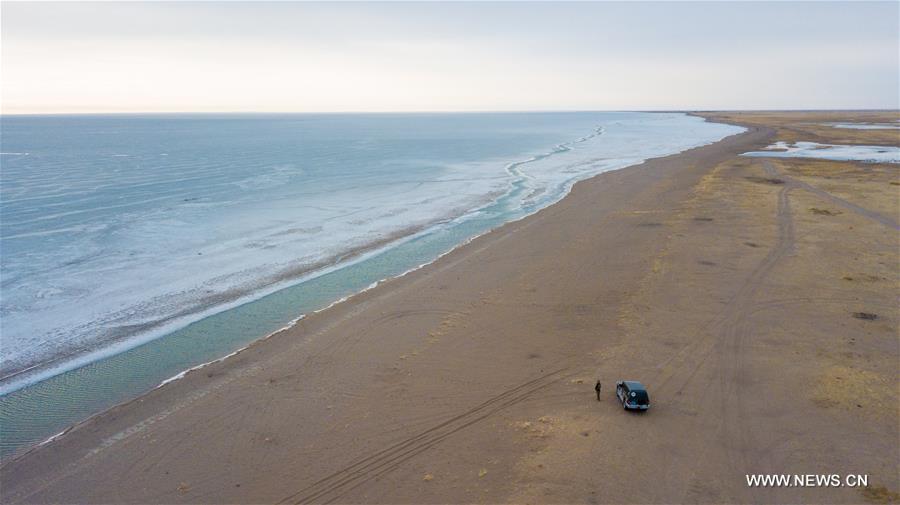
(438, 111)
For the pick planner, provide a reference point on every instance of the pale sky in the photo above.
(323, 57)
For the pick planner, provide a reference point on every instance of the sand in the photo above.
(731, 286)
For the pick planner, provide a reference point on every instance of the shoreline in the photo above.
(122, 341)
(345, 260)
(721, 282)
(380, 283)
(376, 250)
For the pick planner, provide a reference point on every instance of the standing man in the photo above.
(597, 389)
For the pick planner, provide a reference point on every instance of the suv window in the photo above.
(638, 397)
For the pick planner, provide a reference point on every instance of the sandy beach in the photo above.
(755, 297)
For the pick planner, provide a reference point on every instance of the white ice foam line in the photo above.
(54, 437)
(869, 154)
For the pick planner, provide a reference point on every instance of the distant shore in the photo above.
(471, 379)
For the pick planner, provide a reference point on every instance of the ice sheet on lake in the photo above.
(870, 154)
(867, 126)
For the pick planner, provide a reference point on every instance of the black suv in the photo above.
(633, 395)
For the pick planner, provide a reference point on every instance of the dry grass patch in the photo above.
(814, 126)
(853, 389)
(824, 212)
(879, 494)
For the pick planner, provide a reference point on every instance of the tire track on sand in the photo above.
(337, 484)
(731, 330)
(862, 211)
(736, 328)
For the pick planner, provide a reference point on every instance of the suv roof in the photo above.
(634, 386)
